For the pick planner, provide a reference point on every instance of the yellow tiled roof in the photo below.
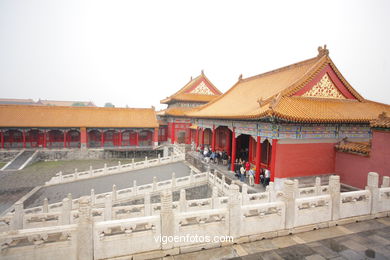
(271, 94)
(64, 103)
(383, 121)
(183, 95)
(56, 116)
(178, 111)
(354, 147)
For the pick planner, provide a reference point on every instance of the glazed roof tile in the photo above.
(271, 94)
(184, 93)
(383, 121)
(56, 116)
(360, 148)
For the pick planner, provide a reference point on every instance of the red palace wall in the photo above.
(353, 168)
(295, 160)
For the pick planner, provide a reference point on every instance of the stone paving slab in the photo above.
(362, 240)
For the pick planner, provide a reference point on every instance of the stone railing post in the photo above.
(85, 230)
(271, 192)
(146, 161)
(70, 201)
(289, 192)
(114, 193)
(65, 212)
(165, 151)
(318, 186)
(147, 204)
(234, 207)
(76, 174)
(296, 189)
(60, 176)
(90, 171)
(173, 180)
(167, 216)
(107, 207)
(214, 198)
(135, 188)
(105, 169)
(154, 183)
(132, 163)
(334, 190)
(45, 206)
(93, 198)
(373, 187)
(159, 158)
(183, 201)
(385, 182)
(119, 165)
(192, 176)
(244, 194)
(17, 220)
(223, 180)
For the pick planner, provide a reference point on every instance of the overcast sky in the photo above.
(136, 53)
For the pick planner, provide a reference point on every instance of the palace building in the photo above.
(299, 120)
(24, 126)
(288, 120)
(175, 125)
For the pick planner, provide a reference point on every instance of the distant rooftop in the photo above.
(16, 101)
(41, 102)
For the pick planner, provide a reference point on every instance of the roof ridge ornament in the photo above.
(240, 77)
(260, 101)
(202, 72)
(322, 51)
(275, 101)
(382, 115)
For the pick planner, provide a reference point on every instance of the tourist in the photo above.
(242, 175)
(237, 166)
(247, 167)
(251, 177)
(229, 162)
(267, 176)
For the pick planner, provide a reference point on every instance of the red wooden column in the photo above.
(2, 139)
(202, 137)
(155, 137)
(213, 138)
(64, 138)
(102, 138)
(83, 137)
(258, 160)
(136, 139)
(172, 133)
(44, 138)
(197, 138)
(273, 159)
(24, 138)
(228, 143)
(120, 137)
(233, 149)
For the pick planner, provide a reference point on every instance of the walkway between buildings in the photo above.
(362, 240)
(223, 169)
(20, 161)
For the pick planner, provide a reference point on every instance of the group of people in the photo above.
(244, 170)
(216, 157)
(242, 167)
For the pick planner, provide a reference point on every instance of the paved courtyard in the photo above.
(15, 184)
(103, 184)
(362, 240)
